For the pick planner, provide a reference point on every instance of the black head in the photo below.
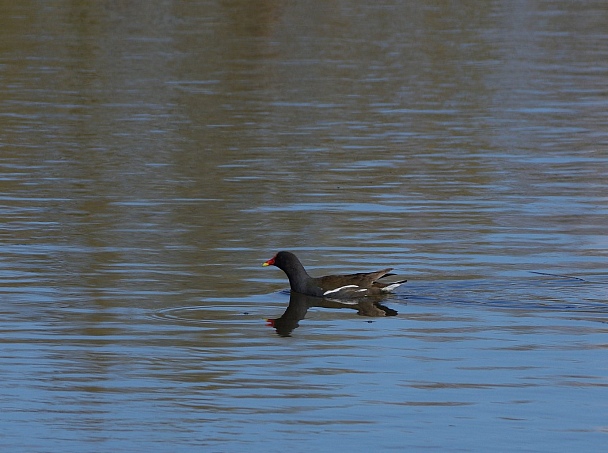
(299, 280)
(283, 260)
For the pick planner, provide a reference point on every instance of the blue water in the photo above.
(153, 156)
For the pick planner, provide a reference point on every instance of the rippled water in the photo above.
(154, 154)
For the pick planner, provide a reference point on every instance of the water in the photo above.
(153, 155)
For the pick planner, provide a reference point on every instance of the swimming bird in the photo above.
(332, 286)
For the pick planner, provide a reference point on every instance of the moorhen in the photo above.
(332, 286)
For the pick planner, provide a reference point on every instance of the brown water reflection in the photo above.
(299, 304)
(152, 154)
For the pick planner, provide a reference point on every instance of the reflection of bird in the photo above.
(332, 286)
(300, 303)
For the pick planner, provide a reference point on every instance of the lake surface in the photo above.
(154, 154)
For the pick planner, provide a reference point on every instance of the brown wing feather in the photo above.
(363, 279)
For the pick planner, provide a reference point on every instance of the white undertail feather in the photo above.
(389, 288)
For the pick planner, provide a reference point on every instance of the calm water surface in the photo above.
(154, 154)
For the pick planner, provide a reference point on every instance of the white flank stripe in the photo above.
(389, 288)
(338, 289)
